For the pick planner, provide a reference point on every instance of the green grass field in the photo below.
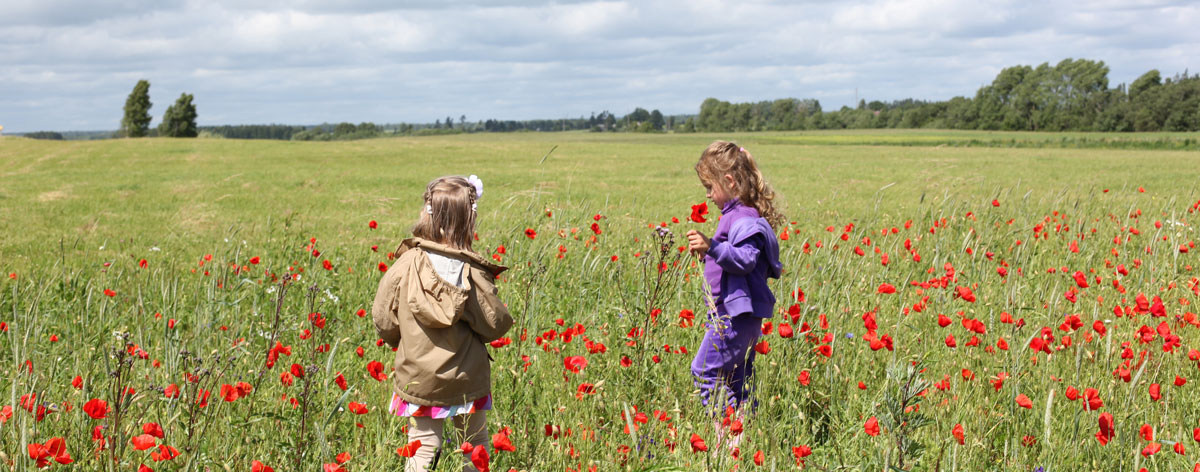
(78, 218)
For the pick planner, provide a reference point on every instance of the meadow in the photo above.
(950, 301)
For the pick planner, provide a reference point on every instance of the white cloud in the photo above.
(69, 64)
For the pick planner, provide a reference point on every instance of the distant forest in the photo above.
(1073, 95)
(1070, 96)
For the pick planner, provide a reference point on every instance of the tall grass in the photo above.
(304, 206)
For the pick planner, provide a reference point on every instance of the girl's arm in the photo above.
(384, 310)
(486, 314)
(737, 258)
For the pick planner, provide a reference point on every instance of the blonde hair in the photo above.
(448, 215)
(725, 157)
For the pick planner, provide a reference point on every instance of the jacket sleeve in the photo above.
(736, 258)
(486, 314)
(384, 310)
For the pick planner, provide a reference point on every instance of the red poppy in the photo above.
(375, 368)
(575, 363)
(800, 452)
(886, 288)
(1024, 402)
(1080, 279)
(164, 453)
(229, 393)
(871, 426)
(698, 212)
(1106, 432)
(340, 380)
(479, 458)
(1091, 398)
(55, 449)
(698, 444)
(372, 224)
(408, 450)
(142, 442)
(357, 408)
(501, 442)
(965, 293)
(530, 233)
(153, 429)
(109, 293)
(96, 408)
(958, 433)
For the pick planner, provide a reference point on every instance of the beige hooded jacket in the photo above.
(439, 329)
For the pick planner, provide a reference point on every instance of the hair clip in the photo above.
(478, 184)
(429, 209)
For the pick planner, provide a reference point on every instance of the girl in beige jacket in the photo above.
(437, 306)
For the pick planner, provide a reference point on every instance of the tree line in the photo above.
(1073, 95)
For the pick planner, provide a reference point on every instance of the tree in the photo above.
(656, 120)
(179, 121)
(136, 122)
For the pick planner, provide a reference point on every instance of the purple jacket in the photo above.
(743, 253)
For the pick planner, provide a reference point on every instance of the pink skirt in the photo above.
(399, 407)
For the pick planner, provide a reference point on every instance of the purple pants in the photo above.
(725, 360)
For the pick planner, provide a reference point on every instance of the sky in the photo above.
(70, 64)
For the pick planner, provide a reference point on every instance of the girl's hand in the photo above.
(698, 243)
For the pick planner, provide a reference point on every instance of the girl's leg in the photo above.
(747, 330)
(429, 432)
(711, 365)
(473, 427)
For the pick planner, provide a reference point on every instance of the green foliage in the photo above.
(902, 415)
(136, 122)
(340, 132)
(179, 121)
(1072, 95)
(283, 132)
(48, 135)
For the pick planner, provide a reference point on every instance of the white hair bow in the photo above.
(478, 184)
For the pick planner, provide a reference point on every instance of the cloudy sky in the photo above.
(69, 64)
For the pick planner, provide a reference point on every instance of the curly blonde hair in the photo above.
(726, 157)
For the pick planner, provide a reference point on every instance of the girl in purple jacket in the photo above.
(738, 259)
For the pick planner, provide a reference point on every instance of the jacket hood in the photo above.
(434, 302)
(464, 255)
